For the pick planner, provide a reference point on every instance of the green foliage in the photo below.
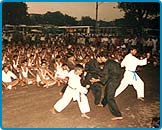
(14, 13)
(54, 18)
(87, 21)
(138, 11)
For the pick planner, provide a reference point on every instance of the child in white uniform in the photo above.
(74, 91)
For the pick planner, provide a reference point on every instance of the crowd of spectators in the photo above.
(39, 49)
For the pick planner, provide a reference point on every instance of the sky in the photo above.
(106, 10)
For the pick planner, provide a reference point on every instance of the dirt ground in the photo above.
(29, 107)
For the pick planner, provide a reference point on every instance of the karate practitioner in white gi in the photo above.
(130, 62)
(74, 91)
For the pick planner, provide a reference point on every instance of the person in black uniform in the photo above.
(111, 77)
(94, 71)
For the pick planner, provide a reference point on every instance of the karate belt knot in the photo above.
(134, 75)
(80, 98)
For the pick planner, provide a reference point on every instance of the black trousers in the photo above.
(109, 98)
(96, 89)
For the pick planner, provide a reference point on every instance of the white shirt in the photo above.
(7, 77)
(74, 82)
(61, 74)
(130, 62)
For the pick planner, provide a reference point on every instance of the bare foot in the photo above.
(100, 105)
(117, 118)
(45, 86)
(85, 116)
(141, 99)
(61, 93)
(53, 111)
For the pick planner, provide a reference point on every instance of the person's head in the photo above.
(65, 67)
(15, 57)
(86, 58)
(70, 56)
(43, 60)
(102, 57)
(133, 50)
(98, 58)
(24, 63)
(58, 58)
(78, 69)
(32, 56)
(43, 64)
(5, 68)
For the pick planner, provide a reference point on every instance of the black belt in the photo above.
(72, 88)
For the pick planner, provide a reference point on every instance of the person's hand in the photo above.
(87, 86)
(93, 80)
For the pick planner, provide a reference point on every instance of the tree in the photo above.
(70, 20)
(138, 12)
(55, 18)
(36, 19)
(88, 21)
(15, 13)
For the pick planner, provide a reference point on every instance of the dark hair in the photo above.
(103, 54)
(79, 66)
(58, 56)
(15, 56)
(5, 65)
(64, 64)
(132, 48)
(43, 63)
(23, 61)
(69, 54)
(43, 60)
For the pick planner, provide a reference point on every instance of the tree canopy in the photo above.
(15, 13)
(139, 11)
(138, 14)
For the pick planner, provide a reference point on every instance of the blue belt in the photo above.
(134, 75)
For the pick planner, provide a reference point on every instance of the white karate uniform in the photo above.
(76, 92)
(130, 63)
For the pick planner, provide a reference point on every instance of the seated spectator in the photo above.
(24, 74)
(61, 74)
(9, 79)
(44, 77)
